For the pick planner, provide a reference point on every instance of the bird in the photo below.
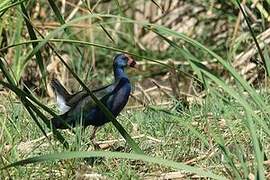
(80, 109)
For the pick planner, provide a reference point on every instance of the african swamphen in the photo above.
(81, 109)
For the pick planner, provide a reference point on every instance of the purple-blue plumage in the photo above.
(80, 107)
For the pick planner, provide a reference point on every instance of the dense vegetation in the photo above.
(200, 101)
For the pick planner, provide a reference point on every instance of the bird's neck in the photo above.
(119, 73)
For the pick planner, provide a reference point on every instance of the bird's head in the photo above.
(124, 60)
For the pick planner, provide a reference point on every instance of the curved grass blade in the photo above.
(145, 158)
(91, 44)
(6, 7)
(101, 46)
(4, 3)
(254, 95)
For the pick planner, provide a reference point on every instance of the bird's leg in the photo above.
(93, 135)
(92, 138)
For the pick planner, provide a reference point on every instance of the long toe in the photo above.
(96, 145)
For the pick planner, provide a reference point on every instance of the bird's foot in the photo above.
(96, 145)
(92, 138)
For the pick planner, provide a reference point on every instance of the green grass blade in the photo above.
(12, 85)
(92, 44)
(57, 12)
(228, 157)
(4, 7)
(254, 38)
(82, 154)
(4, 3)
(17, 63)
(259, 155)
(6, 73)
(61, 19)
(267, 59)
(119, 8)
(33, 36)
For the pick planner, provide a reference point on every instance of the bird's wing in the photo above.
(83, 95)
(100, 92)
(75, 98)
(105, 95)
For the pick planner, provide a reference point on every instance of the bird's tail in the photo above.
(59, 89)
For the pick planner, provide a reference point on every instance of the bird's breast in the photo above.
(120, 98)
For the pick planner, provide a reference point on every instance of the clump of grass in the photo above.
(190, 138)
